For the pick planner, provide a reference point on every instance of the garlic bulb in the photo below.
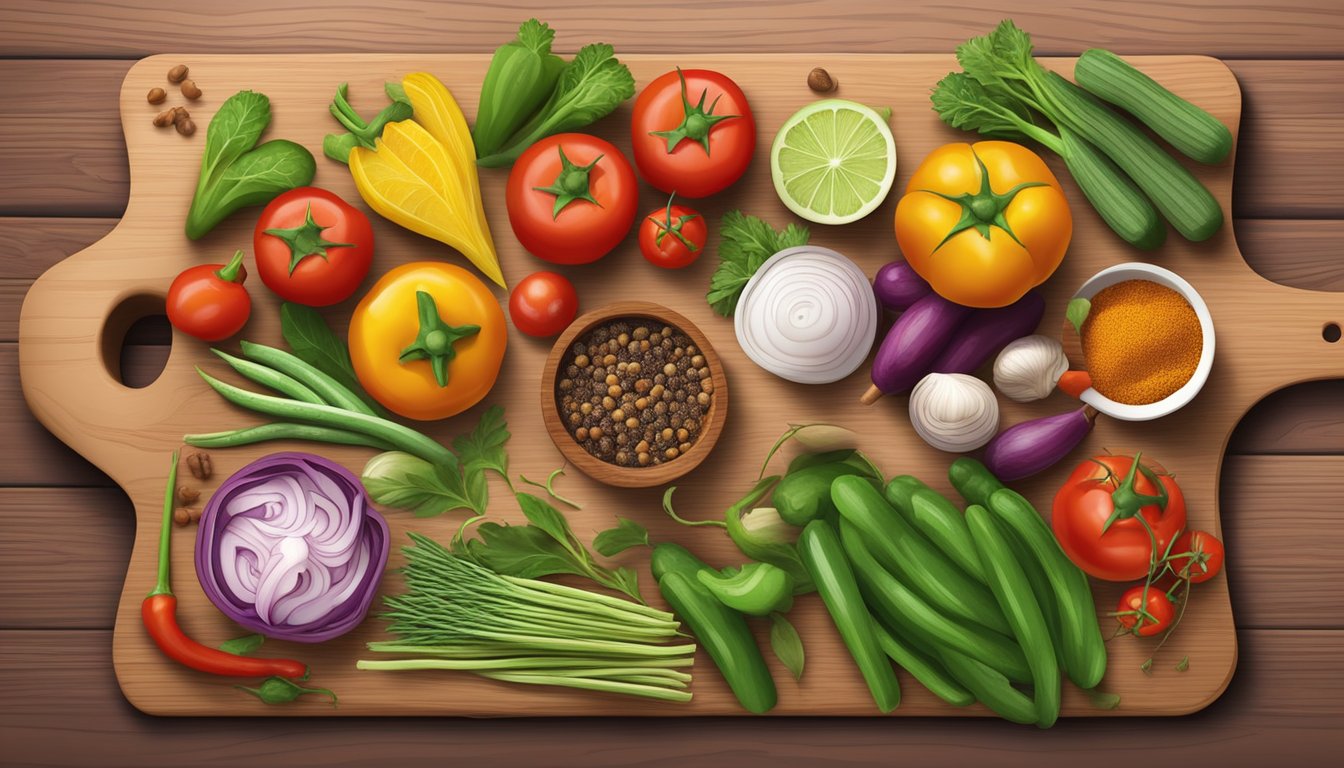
(1029, 368)
(954, 412)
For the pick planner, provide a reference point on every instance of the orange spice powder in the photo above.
(1142, 342)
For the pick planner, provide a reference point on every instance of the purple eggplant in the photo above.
(1032, 446)
(898, 286)
(987, 331)
(912, 344)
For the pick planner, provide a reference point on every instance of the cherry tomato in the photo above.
(1159, 608)
(209, 301)
(673, 237)
(543, 304)
(571, 198)
(312, 247)
(1100, 511)
(692, 132)
(1198, 555)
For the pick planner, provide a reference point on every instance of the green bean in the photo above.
(1009, 584)
(331, 391)
(1084, 650)
(919, 564)
(927, 671)
(399, 437)
(839, 590)
(269, 377)
(898, 606)
(990, 687)
(283, 430)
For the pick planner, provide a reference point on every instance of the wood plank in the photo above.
(135, 28)
(63, 709)
(65, 154)
(1281, 536)
(65, 554)
(31, 245)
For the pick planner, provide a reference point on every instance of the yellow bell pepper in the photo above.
(427, 340)
(421, 174)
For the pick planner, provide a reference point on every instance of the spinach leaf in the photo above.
(625, 535)
(787, 644)
(240, 646)
(235, 172)
(312, 341)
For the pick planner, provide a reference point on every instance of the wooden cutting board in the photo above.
(74, 318)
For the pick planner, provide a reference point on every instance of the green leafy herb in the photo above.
(522, 75)
(787, 644)
(311, 340)
(1147, 666)
(235, 172)
(398, 479)
(545, 547)
(625, 535)
(746, 243)
(590, 88)
(1183, 664)
(337, 146)
(281, 690)
(1077, 312)
(1102, 700)
(240, 646)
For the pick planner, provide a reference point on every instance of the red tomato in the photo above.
(1159, 609)
(673, 237)
(1197, 555)
(692, 132)
(1100, 511)
(209, 301)
(543, 304)
(312, 247)
(572, 198)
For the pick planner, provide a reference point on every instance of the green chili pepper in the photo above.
(839, 590)
(757, 589)
(281, 690)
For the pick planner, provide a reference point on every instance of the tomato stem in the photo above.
(985, 208)
(305, 240)
(436, 338)
(667, 227)
(229, 272)
(1127, 502)
(697, 121)
(572, 183)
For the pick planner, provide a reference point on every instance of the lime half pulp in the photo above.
(833, 162)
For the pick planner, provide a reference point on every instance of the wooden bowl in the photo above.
(633, 477)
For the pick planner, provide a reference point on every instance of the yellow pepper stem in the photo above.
(436, 338)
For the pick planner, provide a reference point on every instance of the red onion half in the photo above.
(290, 547)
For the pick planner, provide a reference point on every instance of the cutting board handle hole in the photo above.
(136, 339)
(1331, 332)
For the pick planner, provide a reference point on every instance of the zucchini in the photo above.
(1190, 208)
(1194, 132)
(1112, 194)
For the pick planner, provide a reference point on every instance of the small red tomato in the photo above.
(1197, 555)
(1159, 611)
(571, 198)
(209, 301)
(543, 304)
(692, 132)
(312, 247)
(672, 237)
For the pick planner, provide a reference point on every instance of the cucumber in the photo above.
(1194, 132)
(1183, 201)
(1112, 194)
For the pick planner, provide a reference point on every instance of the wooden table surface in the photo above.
(65, 530)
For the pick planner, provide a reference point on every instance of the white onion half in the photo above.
(808, 315)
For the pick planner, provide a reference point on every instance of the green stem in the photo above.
(570, 184)
(229, 272)
(697, 121)
(305, 240)
(162, 586)
(436, 338)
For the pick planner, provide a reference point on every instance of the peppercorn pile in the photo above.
(634, 393)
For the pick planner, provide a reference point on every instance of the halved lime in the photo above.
(833, 162)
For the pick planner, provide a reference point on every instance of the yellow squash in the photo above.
(422, 175)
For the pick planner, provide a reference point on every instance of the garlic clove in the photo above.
(954, 412)
(1029, 368)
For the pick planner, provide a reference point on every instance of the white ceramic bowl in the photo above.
(1178, 399)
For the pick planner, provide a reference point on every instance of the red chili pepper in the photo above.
(159, 614)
